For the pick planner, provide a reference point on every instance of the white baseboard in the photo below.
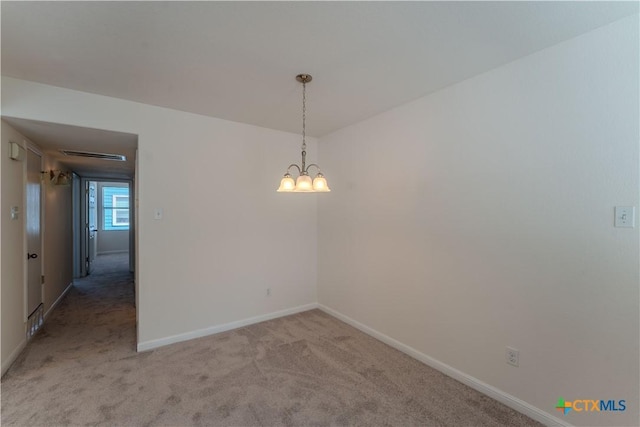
(57, 301)
(484, 388)
(160, 342)
(6, 364)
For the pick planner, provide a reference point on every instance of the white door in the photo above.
(89, 220)
(34, 238)
(92, 223)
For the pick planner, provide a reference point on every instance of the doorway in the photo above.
(85, 154)
(105, 223)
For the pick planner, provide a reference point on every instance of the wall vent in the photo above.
(35, 321)
(102, 156)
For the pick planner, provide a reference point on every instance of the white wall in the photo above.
(112, 241)
(13, 249)
(57, 237)
(226, 234)
(57, 244)
(482, 216)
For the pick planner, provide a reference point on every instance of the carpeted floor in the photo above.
(305, 369)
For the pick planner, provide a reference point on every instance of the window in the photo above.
(116, 208)
(120, 210)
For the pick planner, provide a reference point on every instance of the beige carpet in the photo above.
(305, 369)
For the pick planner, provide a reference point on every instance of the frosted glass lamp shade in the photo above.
(287, 184)
(304, 184)
(62, 179)
(320, 183)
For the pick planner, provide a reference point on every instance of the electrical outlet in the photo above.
(268, 292)
(513, 356)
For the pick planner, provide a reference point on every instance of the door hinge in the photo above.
(42, 280)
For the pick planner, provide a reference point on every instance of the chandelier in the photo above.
(303, 183)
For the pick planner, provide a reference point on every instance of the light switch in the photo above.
(157, 213)
(625, 216)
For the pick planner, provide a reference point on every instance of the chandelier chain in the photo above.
(304, 115)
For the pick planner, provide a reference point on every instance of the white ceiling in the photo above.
(51, 137)
(238, 60)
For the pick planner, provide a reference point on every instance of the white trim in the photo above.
(6, 364)
(57, 301)
(113, 252)
(30, 146)
(484, 388)
(115, 208)
(25, 246)
(33, 147)
(160, 342)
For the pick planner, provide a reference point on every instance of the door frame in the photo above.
(41, 257)
(76, 229)
(84, 225)
(83, 217)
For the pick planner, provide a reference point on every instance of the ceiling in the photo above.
(238, 60)
(52, 137)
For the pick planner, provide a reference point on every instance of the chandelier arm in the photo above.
(296, 166)
(313, 164)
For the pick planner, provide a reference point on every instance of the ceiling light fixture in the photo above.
(304, 184)
(58, 177)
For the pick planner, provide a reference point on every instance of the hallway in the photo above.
(92, 326)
